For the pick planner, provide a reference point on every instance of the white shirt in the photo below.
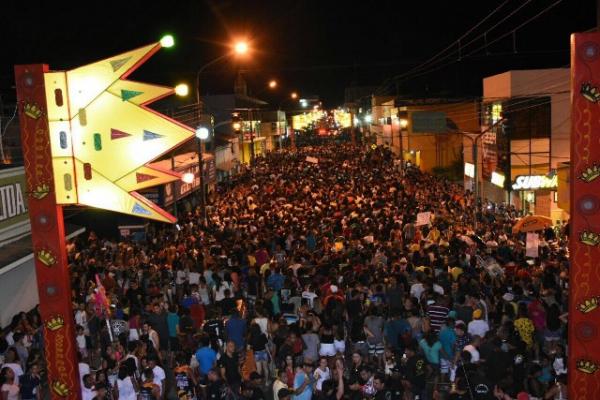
(159, 376)
(416, 290)
(81, 319)
(84, 369)
(80, 341)
(478, 327)
(126, 389)
(87, 394)
(277, 386)
(474, 352)
(323, 376)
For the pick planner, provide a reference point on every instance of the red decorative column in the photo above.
(48, 234)
(584, 274)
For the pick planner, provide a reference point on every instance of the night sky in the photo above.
(314, 47)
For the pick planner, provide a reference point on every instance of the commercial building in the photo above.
(528, 117)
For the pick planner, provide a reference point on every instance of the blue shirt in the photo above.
(275, 281)
(393, 329)
(206, 358)
(172, 322)
(298, 381)
(432, 353)
(236, 330)
(447, 338)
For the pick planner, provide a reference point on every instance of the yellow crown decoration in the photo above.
(55, 323)
(586, 366)
(60, 388)
(40, 191)
(46, 257)
(590, 173)
(589, 238)
(32, 111)
(590, 92)
(588, 305)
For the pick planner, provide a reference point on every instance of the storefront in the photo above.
(537, 194)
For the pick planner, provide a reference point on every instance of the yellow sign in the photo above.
(103, 135)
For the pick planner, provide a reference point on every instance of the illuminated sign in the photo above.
(498, 179)
(103, 136)
(469, 170)
(534, 182)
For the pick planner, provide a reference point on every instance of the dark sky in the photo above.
(314, 47)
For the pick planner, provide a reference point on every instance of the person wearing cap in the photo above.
(478, 326)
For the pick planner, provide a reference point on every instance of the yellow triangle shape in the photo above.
(88, 82)
(101, 193)
(131, 182)
(119, 158)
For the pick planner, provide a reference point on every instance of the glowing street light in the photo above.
(241, 47)
(294, 95)
(182, 89)
(403, 122)
(273, 84)
(237, 126)
(368, 118)
(167, 41)
(202, 133)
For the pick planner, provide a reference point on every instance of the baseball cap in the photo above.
(477, 314)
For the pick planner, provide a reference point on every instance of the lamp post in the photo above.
(240, 48)
(202, 134)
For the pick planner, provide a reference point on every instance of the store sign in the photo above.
(469, 170)
(498, 179)
(13, 199)
(534, 182)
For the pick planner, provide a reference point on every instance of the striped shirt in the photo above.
(437, 316)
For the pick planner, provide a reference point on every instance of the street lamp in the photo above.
(182, 90)
(240, 48)
(273, 84)
(294, 95)
(202, 134)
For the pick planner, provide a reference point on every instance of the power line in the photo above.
(403, 77)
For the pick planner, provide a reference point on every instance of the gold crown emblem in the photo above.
(586, 366)
(40, 191)
(588, 305)
(590, 92)
(55, 323)
(590, 173)
(589, 238)
(60, 388)
(32, 110)
(46, 257)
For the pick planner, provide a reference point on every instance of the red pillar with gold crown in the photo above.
(48, 233)
(584, 274)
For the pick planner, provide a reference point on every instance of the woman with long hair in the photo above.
(9, 389)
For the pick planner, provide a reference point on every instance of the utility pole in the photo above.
(474, 137)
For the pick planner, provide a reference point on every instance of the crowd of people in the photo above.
(314, 279)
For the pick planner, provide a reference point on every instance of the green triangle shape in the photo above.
(116, 64)
(128, 94)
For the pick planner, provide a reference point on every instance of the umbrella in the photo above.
(532, 223)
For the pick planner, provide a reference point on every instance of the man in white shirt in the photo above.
(159, 373)
(478, 327)
(87, 389)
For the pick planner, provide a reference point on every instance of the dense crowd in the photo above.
(314, 280)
